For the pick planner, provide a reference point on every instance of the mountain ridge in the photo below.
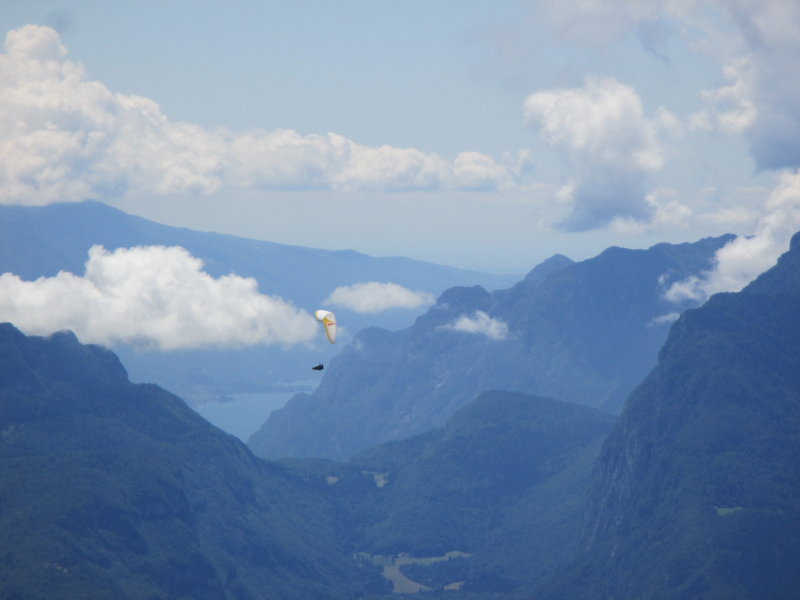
(584, 332)
(700, 471)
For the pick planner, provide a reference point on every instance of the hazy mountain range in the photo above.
(584, 332)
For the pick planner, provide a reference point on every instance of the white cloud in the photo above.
(65, 137)
(390, 168)
(374, 297)
(669, 123)
(666, 211)
(732, 107)
(761, 99)
(609, 143)
(760, 41)
(482, 324)
(733, 217)
(664, 319)
(153, 297)
(744, 258)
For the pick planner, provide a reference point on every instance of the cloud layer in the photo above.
(743, 259)
(375, 297)
(761, 99)
(153, 297)
(609, 144)
(65, 137)
(481, 323)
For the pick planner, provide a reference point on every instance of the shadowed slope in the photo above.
(115, 490)
(697, 490)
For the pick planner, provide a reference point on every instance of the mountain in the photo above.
(697, 489)
(584, 332)
(491, 501)
(41, 241)
(110, 489)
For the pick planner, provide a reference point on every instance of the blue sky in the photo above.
(485, 135)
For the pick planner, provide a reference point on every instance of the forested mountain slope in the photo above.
(499, 489)
(114, 490)
(697, 490)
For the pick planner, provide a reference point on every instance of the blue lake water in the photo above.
(245, 414)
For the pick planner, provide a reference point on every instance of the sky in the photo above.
(481, 135)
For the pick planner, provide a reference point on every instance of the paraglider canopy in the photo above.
(328, 320)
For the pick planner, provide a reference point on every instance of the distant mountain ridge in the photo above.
(697, 490)
(41, 241)
(584, 332)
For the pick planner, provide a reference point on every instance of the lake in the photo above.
(245, 413)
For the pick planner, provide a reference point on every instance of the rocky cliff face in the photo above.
(697, 491)
(585, 332)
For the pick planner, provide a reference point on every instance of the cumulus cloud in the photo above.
(374, 297)
(760, 98)
(65, 137)
(482, 324)
(665, 210)
(740, 261)
(666, 319)
(733, 109)
(763, 104)
(154, 297)
(610, 145)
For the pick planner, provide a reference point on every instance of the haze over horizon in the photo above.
(486, 137)
(475, 135)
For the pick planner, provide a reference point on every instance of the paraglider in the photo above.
(328, 320)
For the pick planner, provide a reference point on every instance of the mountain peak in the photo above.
(547, 266)
(795, 242)
(462, 297)
(784, 277)
(60, 355)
